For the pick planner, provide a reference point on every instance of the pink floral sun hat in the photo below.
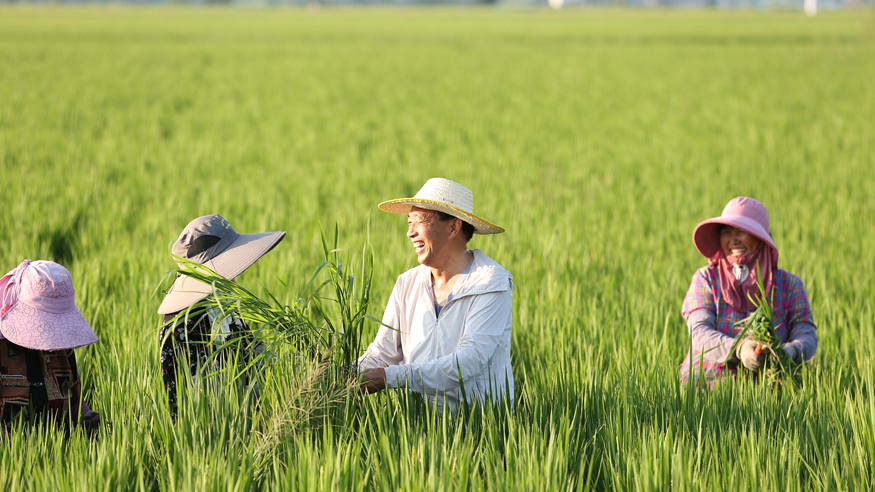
(741, 212)
(39, 310)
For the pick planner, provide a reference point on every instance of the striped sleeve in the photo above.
(699, 296)
(802, 333)
(798, 307)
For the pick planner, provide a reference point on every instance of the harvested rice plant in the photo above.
(598, 138)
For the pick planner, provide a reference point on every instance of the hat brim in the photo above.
(234, 260)
(404, 205)
(706, 235)
(36, 329)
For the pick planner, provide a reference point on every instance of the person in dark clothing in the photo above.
(40, 326)
(189, 341)
(190, 338)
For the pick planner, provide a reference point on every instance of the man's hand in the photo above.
(373, 380)
(747, 354)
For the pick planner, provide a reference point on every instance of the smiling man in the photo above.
(446, 332)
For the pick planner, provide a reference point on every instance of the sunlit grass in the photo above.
(597, 138)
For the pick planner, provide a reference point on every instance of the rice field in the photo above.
(598, 138)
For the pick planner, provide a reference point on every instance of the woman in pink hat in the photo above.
(40, 326)
(719, 297)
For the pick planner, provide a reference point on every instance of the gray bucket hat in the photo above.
(211, 241)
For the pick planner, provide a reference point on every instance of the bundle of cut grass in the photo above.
(319, 327)
(306, 351)
(759, 326)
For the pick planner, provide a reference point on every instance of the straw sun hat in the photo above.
(741, 212)
(446, 196)
(211, 241)
(39, 308)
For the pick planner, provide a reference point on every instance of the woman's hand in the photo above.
(373, 380)
(792, 352)
(90, 420)
(747, 354)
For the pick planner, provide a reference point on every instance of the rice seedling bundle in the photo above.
(759, 326)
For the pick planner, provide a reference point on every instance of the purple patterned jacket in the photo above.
(713, 331)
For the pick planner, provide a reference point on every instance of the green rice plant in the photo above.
(303, 364)
(304, 352)
(759, 326)
(326, 323)
(270, 322)
(344, 313)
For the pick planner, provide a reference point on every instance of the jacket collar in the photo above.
(484, 276)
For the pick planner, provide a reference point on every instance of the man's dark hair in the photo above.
(467, 229)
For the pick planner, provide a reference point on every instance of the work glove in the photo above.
(90, 420)
(746, 353)
(794, 353)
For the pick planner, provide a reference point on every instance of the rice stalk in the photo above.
(759, 326)
(305, 352)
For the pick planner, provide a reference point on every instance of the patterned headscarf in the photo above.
(738, 291)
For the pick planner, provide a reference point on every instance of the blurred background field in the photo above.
(597, 138)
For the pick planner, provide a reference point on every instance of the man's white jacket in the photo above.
(467, 346)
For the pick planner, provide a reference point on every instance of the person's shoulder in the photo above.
(192, 316)
(785, 278)
(411, 275)
(707, 273)
(486, 275)
(486, 265)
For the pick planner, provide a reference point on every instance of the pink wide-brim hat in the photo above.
(741, 212)
(39, 308)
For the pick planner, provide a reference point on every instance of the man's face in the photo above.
(427, 233)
